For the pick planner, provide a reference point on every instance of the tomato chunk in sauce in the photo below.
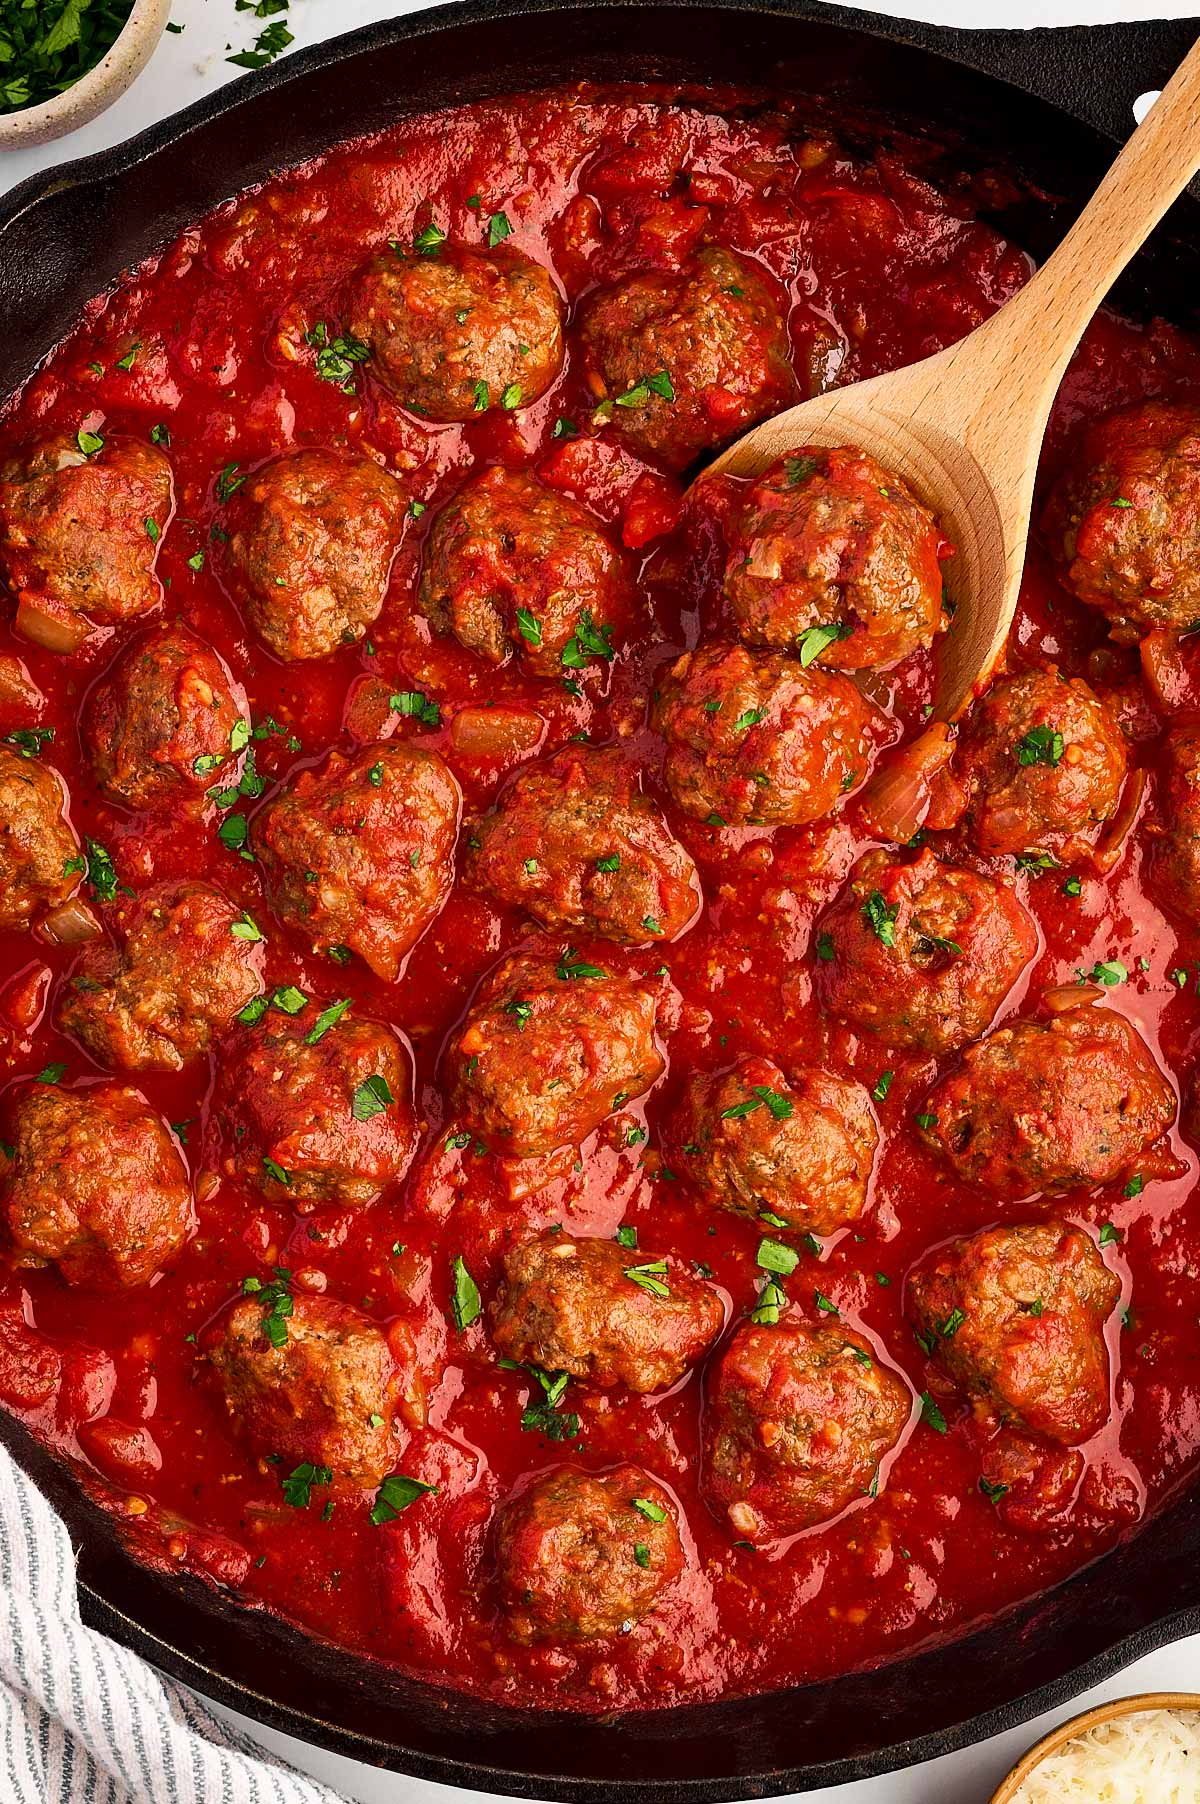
(446, 840)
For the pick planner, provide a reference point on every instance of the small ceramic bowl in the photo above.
(89, 96)
(1103, 1713)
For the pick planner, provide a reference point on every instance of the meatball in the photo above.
(575, 843)
(311, 541)
(359, 855)
(797, 1420)
(921, 953)
(550, 1048)
(1175, 867)
(585, 1554)
(95, 1183)
(569, 1305)
(830, 539)
(164, 722)
(753, 1141)
(1050, 1105)
(752, 736)
(510, 563)
(458, 331)
(171, 986)
(686, 361)
(1016, 1317)
(79, 535)
(1123, 522)
(40, 863)
(316, 1382)
(317, 1110)
(1041, 763)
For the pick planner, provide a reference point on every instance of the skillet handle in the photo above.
(1094, 71)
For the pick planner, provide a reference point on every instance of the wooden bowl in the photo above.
(1103, 1713)
(120, 65)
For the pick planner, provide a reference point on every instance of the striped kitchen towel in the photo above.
(83, 1720)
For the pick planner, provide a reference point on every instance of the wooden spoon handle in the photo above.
(1045, 321)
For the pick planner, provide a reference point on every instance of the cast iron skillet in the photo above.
(1050, 102)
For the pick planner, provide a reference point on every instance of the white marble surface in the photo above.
(191, 63)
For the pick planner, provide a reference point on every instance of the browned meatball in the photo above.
(550, 1048)
(921, 953)
(569, 1305)
(359, 855)
(830, 539)
(457, 331)
(164, 723)
(754, 1141)
(510, 563)
(797, 1421)
(1050, 1105)
(172, 984)
(1123, 522)
(40, 863)
(576, 843)
(312, 536)
(79, 535)
(317, 1107)
(1175, 867)
(1041, 762)
(585, 1554)
(684, 362)
(95, 1184)
(308, 1380)
(1016, 1316)
(753, 736)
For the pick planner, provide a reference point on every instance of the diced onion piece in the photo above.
(1164, 669)
(897, 798)
(1070, 995)
(1109, 846)
(496, 733)
(18, 691)
(53, 631)
(71, 924)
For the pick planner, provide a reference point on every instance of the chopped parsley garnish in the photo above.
(641, 1553)
(395, 1494)
(417, 705)
(89, 442)
(1041, 745)
(464, 1297)
(883, 1085)
(570, 969)
(931, 1413)
(298, 1485)
(152, 529)
(586, 642)
(159, 435)
(925, 1122)
(482, 396)
(233, 832)
(824, 948)
(429, 241)
(101, 872)
(626, 1236)
(750, 718)
(336, 357)
(1073, 886)
(196, 561)
(269, 43)
(1136, 1185)
(772, 1300)
(657, 384)
(529, 626)
(773, 1256)
(276, 1300)
(653, 1512)
(246, 929)
(50, 1074)
(276, 1171)
(951, 1325)
(229, 482)
(510, 397)
(287, 999)
(375, 776)
(825, 1304)
(880, 918)
(992, 1490)
(761, 1095)
(649, 1277)
(1108, 1233)
(564, 428)
(814, 641)
(798, 469)
(612, 862)
(498, 228)
(1109, 972)
(521, 1011)
(28, 741)
(371, 1098)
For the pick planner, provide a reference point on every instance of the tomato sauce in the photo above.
(212, 340)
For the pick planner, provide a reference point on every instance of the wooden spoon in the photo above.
(964, 428)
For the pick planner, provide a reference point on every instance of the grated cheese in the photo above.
(1151, 1757)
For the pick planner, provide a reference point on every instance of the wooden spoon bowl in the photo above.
(964, 429)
